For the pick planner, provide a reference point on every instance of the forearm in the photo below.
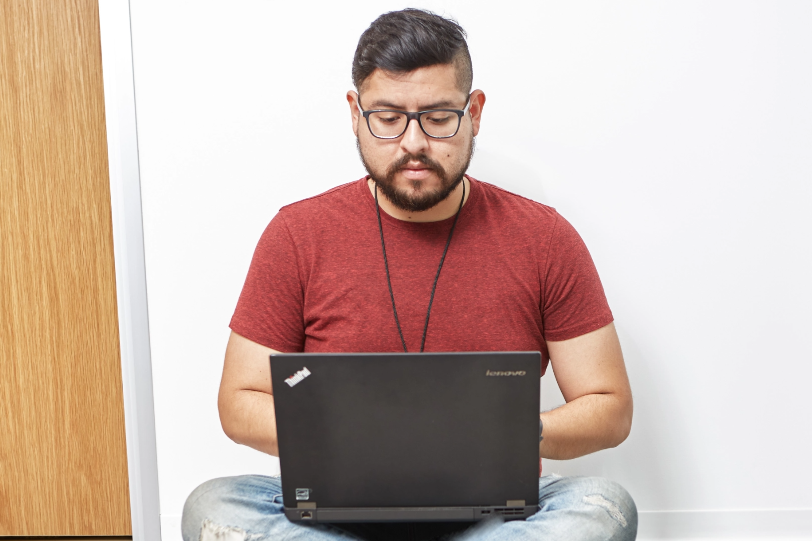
(585, 425)
(249, 418)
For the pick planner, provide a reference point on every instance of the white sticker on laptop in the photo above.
(302, 493)
(298, 376)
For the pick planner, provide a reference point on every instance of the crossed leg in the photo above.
(249, 508)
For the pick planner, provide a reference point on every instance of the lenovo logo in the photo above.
(497, 373)
(298, 376)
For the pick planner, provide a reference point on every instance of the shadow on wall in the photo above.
(647, 461)
(509, 173)
(651, 462)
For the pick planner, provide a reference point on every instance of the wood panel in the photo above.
(63, 467)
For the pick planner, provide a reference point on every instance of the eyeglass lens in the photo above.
(434, 123)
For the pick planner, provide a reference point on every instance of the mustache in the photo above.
(420, 158)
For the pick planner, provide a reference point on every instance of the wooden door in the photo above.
(63, 465)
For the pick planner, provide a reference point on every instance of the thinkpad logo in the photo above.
(498, 373)
(298, 376)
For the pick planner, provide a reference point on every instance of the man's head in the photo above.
(403, 41)
(413, 61)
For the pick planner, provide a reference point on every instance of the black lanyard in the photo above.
(439, 268)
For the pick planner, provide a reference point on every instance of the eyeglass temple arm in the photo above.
(467, 106)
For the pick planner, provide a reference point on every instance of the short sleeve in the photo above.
(270, 309)
(573, 301)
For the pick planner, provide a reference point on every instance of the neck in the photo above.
(441, 211)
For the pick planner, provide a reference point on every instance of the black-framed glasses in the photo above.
(436, 123)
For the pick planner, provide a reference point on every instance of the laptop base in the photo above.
(408, 514)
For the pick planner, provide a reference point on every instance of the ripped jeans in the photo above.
(249, 508)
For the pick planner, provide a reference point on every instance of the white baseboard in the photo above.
(764, 525)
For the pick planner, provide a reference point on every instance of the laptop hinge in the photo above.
(309, 505)
(515, 503)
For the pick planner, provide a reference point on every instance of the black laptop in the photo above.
(404, 437)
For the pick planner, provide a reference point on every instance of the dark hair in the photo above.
(403, 41)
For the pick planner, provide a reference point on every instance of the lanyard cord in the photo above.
(439, 268)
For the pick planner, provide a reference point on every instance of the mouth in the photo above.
(416, 171)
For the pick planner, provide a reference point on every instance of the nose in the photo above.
(414, 140)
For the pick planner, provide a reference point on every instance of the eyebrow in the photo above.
(446, 104)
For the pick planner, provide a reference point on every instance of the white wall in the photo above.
(675, 136)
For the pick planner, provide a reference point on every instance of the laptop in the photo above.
(403, 437)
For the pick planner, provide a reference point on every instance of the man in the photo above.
(418, 256)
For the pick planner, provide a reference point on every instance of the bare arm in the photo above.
(589, 370)
(245, 400)
(592, 377)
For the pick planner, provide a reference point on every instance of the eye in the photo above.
(438, 118)
(387, 118)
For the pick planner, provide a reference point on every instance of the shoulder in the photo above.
(510, 206)
(340, 196)
(325, 210)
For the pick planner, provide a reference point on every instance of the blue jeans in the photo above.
(249, 508)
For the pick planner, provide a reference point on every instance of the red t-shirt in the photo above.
(516, 274)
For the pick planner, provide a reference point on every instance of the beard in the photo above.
(421, 198)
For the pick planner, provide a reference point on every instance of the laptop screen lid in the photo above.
(404, 436)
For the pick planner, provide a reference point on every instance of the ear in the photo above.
(477, 103)
(352, 99)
